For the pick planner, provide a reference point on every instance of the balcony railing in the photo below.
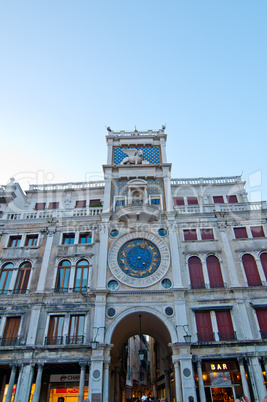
(213, 208)
(61, 290)
(9, 341)
(227, 335)
(53, 340)
(74, 340)
(206, 337)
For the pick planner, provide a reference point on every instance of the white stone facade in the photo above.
(82, 262)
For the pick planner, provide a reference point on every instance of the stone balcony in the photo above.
(137, 212)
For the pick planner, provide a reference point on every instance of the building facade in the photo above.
(86, 266)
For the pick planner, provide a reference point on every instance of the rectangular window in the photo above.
(155, 201)
(14, 241)
(192, 200)
(218, 199)
(53, 205)
(190, 234)
(207, 234)
(204, 326)
(31, 240)
(262, 320)
(120, 202)
(39, 206)
(240, 233)
(55, 330)
(178, 200)
(68, 238)
(257, 231)
(95, 203)
(80, 204)
(85, 238)
(225, 326)
(10, 337)
(75, 335)
(231, 199)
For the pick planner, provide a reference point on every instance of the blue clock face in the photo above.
(139, 258)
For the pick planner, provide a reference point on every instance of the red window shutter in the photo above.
(240, 233)
(192, 200)
(218, 199)
(92, 202)
(251, 270)
(80, 204)
(231, 199)
(257, 231)
(207, 234)
(204, 326)
(214, 271)
(262, 318)
(39, 206)
(225, 325)
(196, 273)
(178, 200)
(264, 263)
(53, 205)
(190, 234)
(12, 327)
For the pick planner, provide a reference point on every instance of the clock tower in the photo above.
(139, 245)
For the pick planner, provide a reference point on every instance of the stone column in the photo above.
(24, 383)
(177, 380)
(103, 254)
(106, 382)
(253, 381)
(82, 382)
(229, 256)
(200, 382)
(11, 383)
(244, 378)
(38, 383)
(45, 261)
(175, 251)
(258, 375)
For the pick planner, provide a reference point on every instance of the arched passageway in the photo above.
(151, 354)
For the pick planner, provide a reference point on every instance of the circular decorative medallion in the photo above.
(139, 259)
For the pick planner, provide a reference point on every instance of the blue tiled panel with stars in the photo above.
(150, 154)
(154, 187)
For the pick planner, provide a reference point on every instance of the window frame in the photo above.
(69, 237)
(81, 287)
(30, 237)
(86, 235)
(23, 278)
(59, 281)
(4, 290)
(14, 238)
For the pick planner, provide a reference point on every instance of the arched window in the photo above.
(196, 273)
(63, 275)
(5, 277)
(23, 277)
(251, 270)
(81, 276)
(264, 263)
(214, 271)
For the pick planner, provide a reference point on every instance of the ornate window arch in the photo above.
(263, 258)
(251, 270)
(214, 271)
(63, 276)
(5, 277)
(196, 273)
(23, 276)
(81, 275)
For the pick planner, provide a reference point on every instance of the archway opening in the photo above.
(141, 361)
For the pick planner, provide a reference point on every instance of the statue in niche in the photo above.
(134, 157)
(137, 197)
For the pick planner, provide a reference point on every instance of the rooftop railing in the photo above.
(206, 180)
(67, 186)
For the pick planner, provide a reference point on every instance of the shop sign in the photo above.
(66, 377)
(217, 366)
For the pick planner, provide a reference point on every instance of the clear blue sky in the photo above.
(69, 68)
